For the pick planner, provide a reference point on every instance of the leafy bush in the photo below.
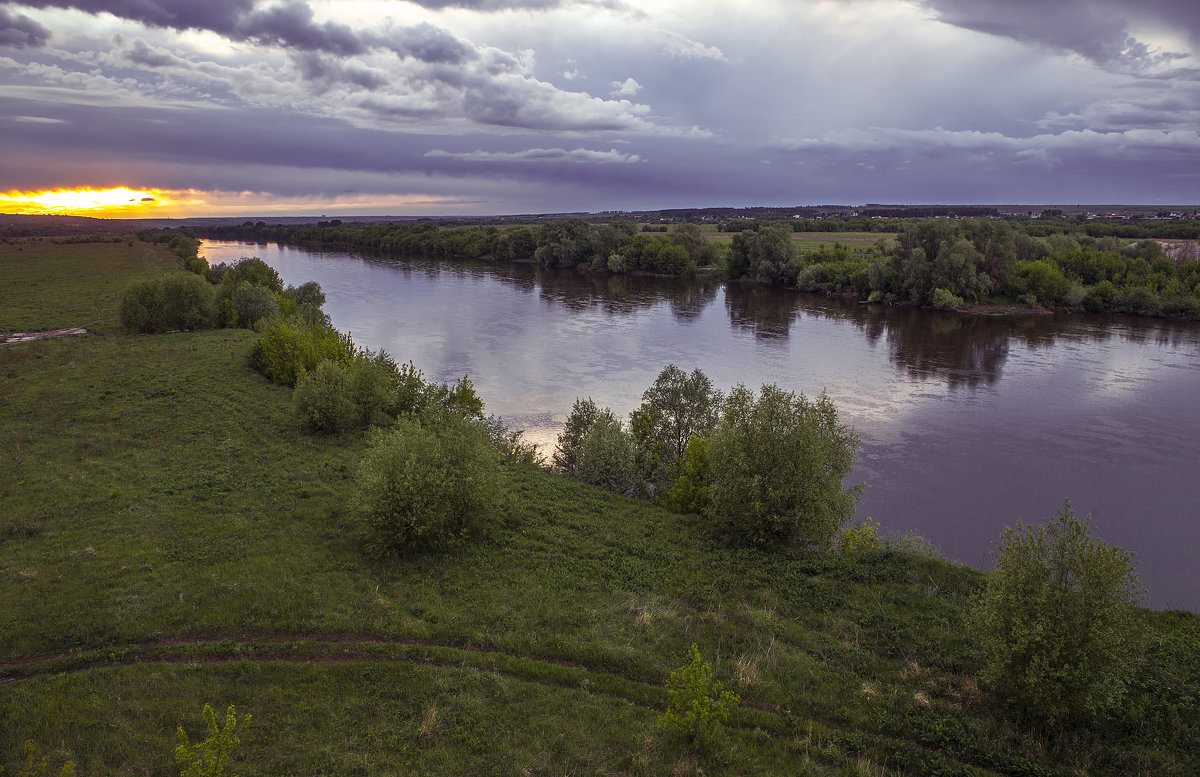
(777, 464)
(675, 408)
(286, 348)
(699, 704)
(322, 397)
(212, 757)
(252, 304)
(371, 385)
(509, 443)
(569, 452)
(424, 485)
(689, 493)
(252, 270)
(1056, 620)
(308, 293)
(608, 458)
(175, 301)
(947, 300)
(860, 536)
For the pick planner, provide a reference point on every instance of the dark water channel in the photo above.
(968, 423)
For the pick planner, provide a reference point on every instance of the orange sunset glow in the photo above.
(110, 203)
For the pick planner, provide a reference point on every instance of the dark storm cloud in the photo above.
(289, 24)
(216, 15)
(317, 69)
(292, 25)
(21, 32)
(426, 43)
(1098, 30)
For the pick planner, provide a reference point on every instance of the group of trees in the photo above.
(1054, 622)
(950, 264)
(244, 294)
(617, 247)
(937, 262)
(766, 467)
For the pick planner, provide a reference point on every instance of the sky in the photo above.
(474, 107)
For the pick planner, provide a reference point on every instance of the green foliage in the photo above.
(1056, 620)
(252, 304)
(777, 464)
(509, 442)
(373, 386)
(212, 757)
(323, 397)
(424, 484)
(947, 300)
(175, 301)
(677, 407)
(699, 704)
(568, 454)
(860, 536)
(608, 457)
(690, 492)
(34, 767)
(288, 347)
(251, 270)
(767, 255)
(308, 293)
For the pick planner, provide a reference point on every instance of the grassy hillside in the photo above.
(170, 537)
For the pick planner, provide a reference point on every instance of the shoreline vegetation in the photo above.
(971, 265)
(253, 513)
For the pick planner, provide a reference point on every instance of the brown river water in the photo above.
(968, 423)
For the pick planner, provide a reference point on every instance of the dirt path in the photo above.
(316, 648)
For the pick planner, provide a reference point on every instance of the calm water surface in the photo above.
(968, 423)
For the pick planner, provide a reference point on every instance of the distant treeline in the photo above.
(619, 246)
(1050, 262)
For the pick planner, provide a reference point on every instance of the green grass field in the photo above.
(170, 536)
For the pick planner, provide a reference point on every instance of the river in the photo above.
(968, 423)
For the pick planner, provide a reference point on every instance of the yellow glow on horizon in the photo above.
(116, 202)
(126, 203)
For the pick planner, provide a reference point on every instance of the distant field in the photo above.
(816, 238)
(52, 286)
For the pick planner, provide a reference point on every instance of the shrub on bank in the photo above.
(252, 304)
(777, 462)
(322, 398)
(175, 301)
(1056, 621)
(288, 347)
(425, 483)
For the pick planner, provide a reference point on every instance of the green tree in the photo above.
(608, 457)
(777, 463)
(568, 454)
(252, 304)
(425, 484)
(677, 407)
(1056, 620)
(323, 397)
(699, 704)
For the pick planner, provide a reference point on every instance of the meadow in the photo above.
(171, 536)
